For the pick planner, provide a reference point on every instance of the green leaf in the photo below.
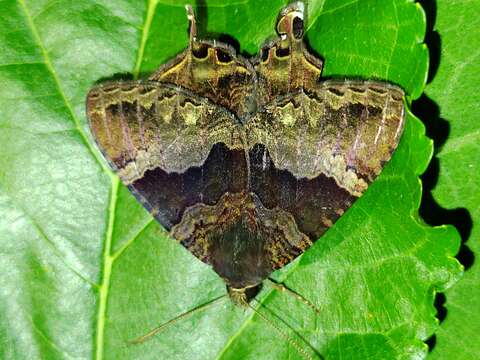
(84, 267)
(455, 90)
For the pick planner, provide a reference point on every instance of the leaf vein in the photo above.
(119, 252)
(53, 73)
(48, 241)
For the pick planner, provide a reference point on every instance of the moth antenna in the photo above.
(282, 333)
(154, 331)
(285, 289)
(193, 23)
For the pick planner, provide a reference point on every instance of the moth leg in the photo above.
(284, 334)
(154, 331)
(285, 289)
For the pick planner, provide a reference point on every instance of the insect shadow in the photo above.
(123, 76)
(202, 25)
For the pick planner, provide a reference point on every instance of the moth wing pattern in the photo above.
(247, 162)
(346, 130)
(141, 126)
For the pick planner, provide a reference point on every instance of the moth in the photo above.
(246, 162)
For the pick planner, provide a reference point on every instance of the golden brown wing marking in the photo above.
(141, 126)
(345, 130)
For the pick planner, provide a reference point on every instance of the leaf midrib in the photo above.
(108, 259)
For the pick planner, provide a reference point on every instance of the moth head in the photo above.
(290, 30)
(287, 54)
(290, 23)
